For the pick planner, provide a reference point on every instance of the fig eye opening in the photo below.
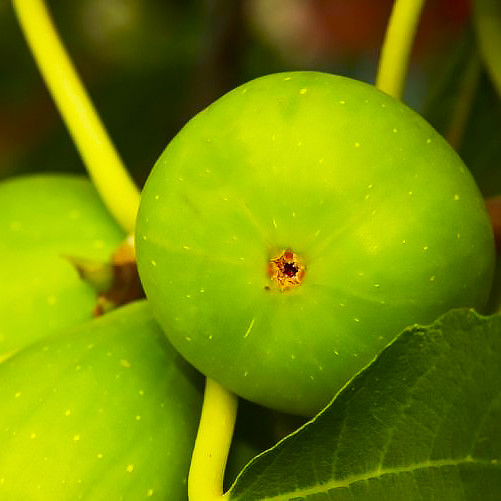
(286, 270)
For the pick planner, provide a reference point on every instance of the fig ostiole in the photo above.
(295, 226)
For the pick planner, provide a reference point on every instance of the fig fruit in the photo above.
(45, 222)
(106, 410)
(297, 225)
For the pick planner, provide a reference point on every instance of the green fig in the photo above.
(47, 222)
(294, 227)
(105, 411)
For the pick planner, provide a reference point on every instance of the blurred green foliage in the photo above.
(151, 65)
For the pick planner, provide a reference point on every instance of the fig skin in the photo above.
(46, 221)
(106, 410)
(387, 220)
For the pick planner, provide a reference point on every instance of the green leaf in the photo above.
(107, 410)
(465, 108)
(452, 90)
(422, 422)
(487, 19)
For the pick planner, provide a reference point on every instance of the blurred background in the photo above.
(151, 65)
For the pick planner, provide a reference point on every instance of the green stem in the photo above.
(102, 161)
(212, 445)
(397, 46)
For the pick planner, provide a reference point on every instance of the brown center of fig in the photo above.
(286, 270)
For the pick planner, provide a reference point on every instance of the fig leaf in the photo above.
(423, 421)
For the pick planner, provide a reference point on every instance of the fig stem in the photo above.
(212, 445)
(397, 45)
(96, 149)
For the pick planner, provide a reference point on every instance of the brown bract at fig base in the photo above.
(286, 270)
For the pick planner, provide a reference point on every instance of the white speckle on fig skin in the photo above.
(251, 325)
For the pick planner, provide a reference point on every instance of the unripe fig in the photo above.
(107, 410)
(295, 226)
(46, 221)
